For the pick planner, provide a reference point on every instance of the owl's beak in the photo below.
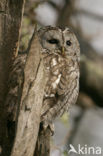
(63, 50)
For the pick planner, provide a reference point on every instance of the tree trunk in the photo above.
(27, 135)
(10, 23)
(30, 103)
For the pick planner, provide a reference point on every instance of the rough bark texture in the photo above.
(31, 95)
(10, 23)
(31, 103)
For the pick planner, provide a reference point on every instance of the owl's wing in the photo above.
(15, 81)
(66, 95)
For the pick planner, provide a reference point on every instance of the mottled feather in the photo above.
(60, 53)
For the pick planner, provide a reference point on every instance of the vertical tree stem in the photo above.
(10, 23)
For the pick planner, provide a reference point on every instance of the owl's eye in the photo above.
(53, 41)
(68, 43)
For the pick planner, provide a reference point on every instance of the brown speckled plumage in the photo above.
(60, 52)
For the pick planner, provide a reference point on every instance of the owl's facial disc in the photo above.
(58, 41)
(52, 40)
(71, 43)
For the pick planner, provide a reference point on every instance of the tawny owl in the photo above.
(61, 54)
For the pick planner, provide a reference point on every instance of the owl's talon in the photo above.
(52, 129)
(46, 125)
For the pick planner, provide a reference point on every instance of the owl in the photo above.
(60, 53)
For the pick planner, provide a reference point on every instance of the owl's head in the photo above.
(59, 41)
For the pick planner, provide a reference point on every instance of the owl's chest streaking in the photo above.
(54, 65)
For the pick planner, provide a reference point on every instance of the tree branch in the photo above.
(89, 14)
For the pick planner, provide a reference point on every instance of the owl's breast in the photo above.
(54, 65)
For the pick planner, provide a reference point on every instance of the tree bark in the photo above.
(10, 23)
(31, 95)
(31, 103)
